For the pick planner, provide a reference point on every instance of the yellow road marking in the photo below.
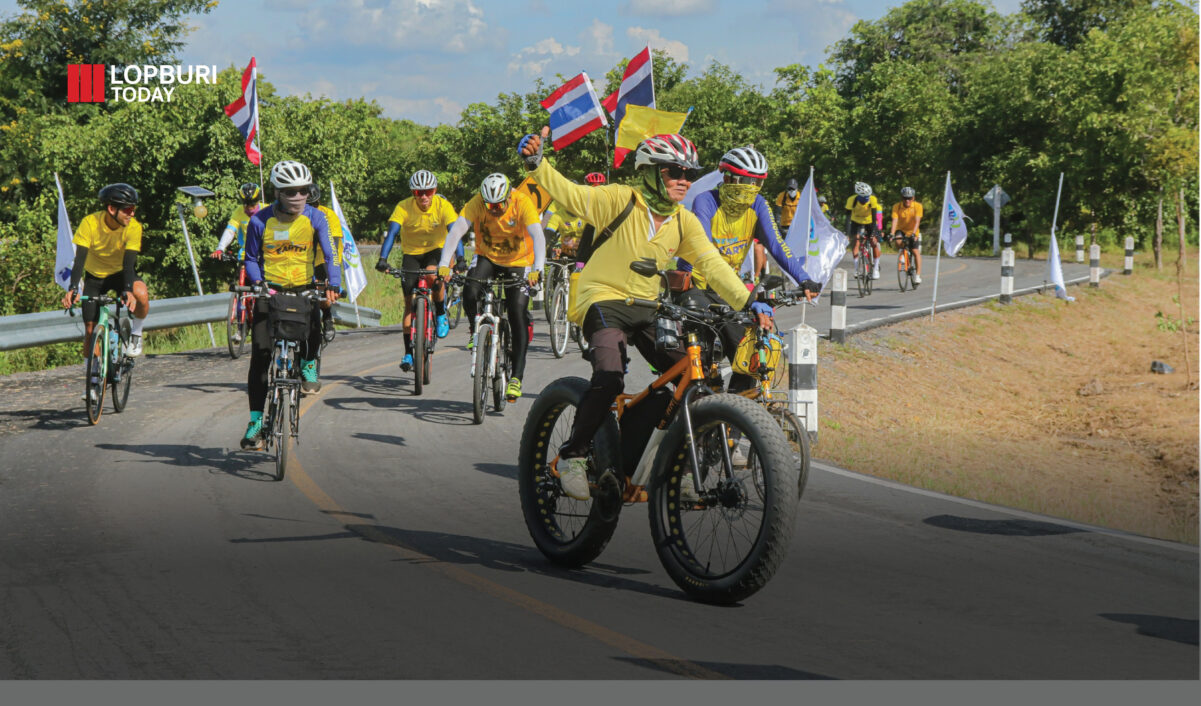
(640, 650)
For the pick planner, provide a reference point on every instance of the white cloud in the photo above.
(456, 26)
(598, 38)
(668, 8)
(676, 49)
(818, 23)
(533, 60)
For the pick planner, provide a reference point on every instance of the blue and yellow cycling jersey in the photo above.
(734, 238)
(284, 252)
(335, 236)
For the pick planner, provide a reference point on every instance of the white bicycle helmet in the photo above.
(667, 149)
(862, 189)
(288, 173)
(744, 161)
(423, 179)
(495, 188)
(907, 192)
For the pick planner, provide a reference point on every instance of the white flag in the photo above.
(952, 230)
(64, 257)
(823, 245)
(709, 182)
(1055, 271)
(352, 265)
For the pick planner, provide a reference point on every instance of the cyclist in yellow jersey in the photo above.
(236, 227)
(508, 241)
(865, 219)
(107, 244)
(655, 226)
(786, 203)
(281, 242)
(907, 218)
(422, 222)
(320, 271)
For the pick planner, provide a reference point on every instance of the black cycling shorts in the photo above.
(424, 261)
(94, 286)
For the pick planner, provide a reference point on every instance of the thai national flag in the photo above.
(637, 87)
(575, 111)
(245, 112)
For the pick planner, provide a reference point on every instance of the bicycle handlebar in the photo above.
(269, 288)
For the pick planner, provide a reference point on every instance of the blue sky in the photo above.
(425, 60)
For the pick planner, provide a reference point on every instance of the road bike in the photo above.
(454, 303)
(491, 351)
(557, 283)
(290, 318)
(238, 320)
(906, 262)
(714, 467)
(423, 326)
(108, 363)
(864, 260)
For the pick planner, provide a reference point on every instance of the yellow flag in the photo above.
(641, 122)
(535, 191)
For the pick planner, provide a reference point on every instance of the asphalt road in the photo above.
(151, 547)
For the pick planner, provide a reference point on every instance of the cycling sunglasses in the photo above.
(295, 192)
(675, 171)
(740, 179)
(423, 192)
(127, 210)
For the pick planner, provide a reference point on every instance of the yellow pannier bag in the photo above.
(747, 359)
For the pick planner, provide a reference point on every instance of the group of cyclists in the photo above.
(603, 227)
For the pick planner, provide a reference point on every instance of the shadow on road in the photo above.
(508, 471)
(1174, 629)
(381, 438)
(505, 556)
(241, 464)
(427, 409)
(731, 670)
(210, 387)
(47, 419)
(1006, 528)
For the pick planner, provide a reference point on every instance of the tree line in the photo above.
(1105, 91)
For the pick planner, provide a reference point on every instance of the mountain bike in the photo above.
(906, 263)
(715, 469)
(290, 319)
(241, 310)
(422, 327)
(864, 260)
(108, 364)
(454, 303)
(491, 360)
(557, 303)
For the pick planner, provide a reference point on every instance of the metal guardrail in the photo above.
(46, 327)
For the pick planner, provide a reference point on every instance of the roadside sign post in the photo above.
(197, 193)
(996, 197)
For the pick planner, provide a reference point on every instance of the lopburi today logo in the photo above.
(135, 83)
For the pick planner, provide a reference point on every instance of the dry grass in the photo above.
(1042, 405)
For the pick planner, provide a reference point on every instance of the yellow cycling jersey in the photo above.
(238, 220)
(106, 247)
(862, 212)
(335, 237)
(732, 238)
(422, 231)
(905, 220)
(787, 207)
(287, 248)
(566, 224)
(504, 240)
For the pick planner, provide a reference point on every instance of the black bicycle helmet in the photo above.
(250, 192)
(314, 195)
(119, 195)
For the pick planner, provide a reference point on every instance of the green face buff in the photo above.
(655, 193)
(736, 198)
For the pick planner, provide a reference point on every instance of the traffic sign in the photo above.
(996, 196)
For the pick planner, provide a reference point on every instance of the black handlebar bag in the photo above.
(290, 316)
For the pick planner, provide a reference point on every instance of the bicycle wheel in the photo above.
(549, 286)
(860, 271)
(419, 344)
(281, 426)
(912, 271)
(726, 545)
(569, 532)
(798, 441)
(123, 373)
(233, 328)
(559, 328)
(578, 334)
(97, 374)
(479, 382)
(454, 304)
(503, 366)
(869, 268)
(902, 269)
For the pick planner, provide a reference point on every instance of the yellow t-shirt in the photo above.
(504, 240)
(106, 247)
(288, 256)
(787, 207)
(568, 226)
(905, 219)
(863, 212)
(422, 231)
(335, 237)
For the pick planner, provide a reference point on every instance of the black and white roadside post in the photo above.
(996, 197)
(1080, 248)
(802, 376)
(1007, 270)
(1094, 266)
(197, 194)
(838, 307)
(1129, 268)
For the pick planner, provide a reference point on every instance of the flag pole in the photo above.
(258, 128)
(938, 257)
(1054, 221)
